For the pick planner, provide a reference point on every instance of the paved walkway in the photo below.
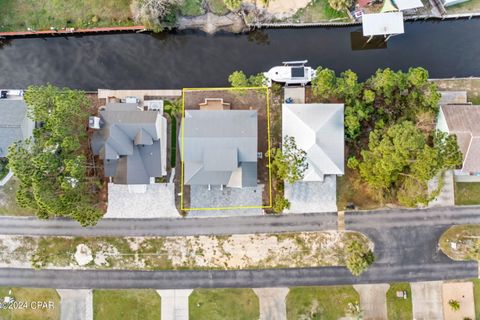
(447, 194)
(174, 304)
(427, 300)
(373, 300)
(76, 304)
(272, 303)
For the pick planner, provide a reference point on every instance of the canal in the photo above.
(194, 59)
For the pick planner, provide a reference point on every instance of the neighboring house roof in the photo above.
(131, 142)
(220, 147)
(376, 24)
(318, 130)
(463, 121)
(14, 123)
(452, 97)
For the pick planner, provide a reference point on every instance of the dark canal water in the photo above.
(194, 59)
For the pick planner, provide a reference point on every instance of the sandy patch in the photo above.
(461, 292)
(83, 255)
(282, 8)
(247, 251)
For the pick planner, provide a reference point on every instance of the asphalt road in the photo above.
(170, 227)
(405, 247)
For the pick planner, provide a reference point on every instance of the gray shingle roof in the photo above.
(129, 143)
(14, 124)
(463, 121)
(220, 147)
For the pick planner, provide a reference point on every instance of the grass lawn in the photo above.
(218, 7)
(43, 14)
(326, 303)
(350, 189)
(399, 308)
(467, 193)
(126, 304)
(219, 304)
(8, 203)
(317, 10)
(464, 236)
(476, 296)
(27, 296)
(192, 8)
(467, 7)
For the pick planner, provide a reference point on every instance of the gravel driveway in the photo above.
(201, 197)
(306, 197)
(141, 201)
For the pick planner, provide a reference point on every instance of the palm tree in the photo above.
(173, 107)
(454, 304)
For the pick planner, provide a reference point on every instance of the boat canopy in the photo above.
(384, 24)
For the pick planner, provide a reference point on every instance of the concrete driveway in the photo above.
(201, 197)
(306, 197)
(141, 201)
(174, 304)
(373, 300)
(76, 304)
(427, 300)
(447, 194)
(272, 303)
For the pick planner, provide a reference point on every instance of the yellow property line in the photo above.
(268, 144)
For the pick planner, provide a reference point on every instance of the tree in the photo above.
(151, 12)
(173, 107)
(52, 168)
(454, 304)
(280, 203)
(290, 162)
(324, 84)
(233, 4)
(389, 154)
(359, 257)
(240, 79)
(340, 5)
(402, 96)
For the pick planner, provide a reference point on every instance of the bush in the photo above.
(359, 258)
(280, 203)
(233, 4)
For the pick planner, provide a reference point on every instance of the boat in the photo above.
(291, 73)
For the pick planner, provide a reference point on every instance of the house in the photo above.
(14, 123)
(318, 130)
(219, 147)
(131, 141)
(463, 121)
